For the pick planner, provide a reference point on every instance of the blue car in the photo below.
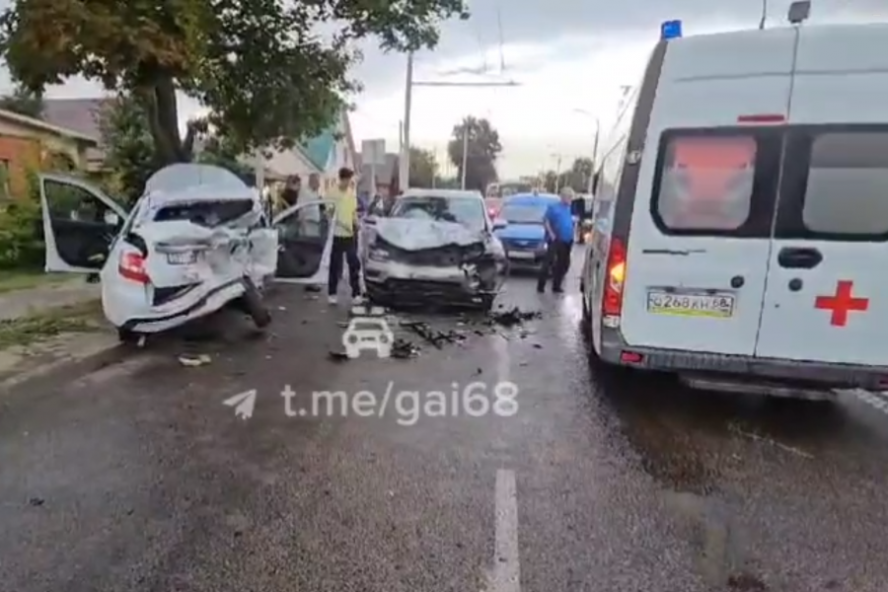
(519, 226)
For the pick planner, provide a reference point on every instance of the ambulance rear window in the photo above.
(847, 184)
(706, 182)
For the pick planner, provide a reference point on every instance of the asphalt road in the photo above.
(139, 478)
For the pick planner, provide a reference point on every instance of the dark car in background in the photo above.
(520, 227)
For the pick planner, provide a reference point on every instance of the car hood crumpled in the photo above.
(411, 234)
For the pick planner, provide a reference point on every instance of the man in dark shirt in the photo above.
(559, 242)
(291, 190)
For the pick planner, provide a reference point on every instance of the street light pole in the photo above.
(594, 147)
(594, 156)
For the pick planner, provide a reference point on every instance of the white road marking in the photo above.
(506, 569)
(503, 361)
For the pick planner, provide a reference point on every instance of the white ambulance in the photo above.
(742, 214)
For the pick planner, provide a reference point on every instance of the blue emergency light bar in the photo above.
(670, 30)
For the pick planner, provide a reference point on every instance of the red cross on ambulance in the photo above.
(842, 303)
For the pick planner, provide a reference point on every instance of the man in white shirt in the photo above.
(314, 189)
(310, 218)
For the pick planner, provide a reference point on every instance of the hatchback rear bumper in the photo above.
(726, 372)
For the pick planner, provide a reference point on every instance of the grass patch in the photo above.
(14, 280)
(80, 318)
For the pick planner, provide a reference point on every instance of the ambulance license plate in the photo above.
(718, 306)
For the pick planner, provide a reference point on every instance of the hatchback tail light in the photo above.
(612, 303)
(132, 267)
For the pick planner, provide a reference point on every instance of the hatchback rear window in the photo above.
(847, 188)
(205, 213)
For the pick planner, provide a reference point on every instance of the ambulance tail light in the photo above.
(612, 303)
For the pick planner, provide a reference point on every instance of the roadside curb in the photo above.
(66, 369)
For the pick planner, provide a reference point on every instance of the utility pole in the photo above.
(557, 172)
(404, 161)
(404, 172)
(465, 152)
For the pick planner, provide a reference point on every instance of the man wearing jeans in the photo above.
(559, 242)
(345, 243)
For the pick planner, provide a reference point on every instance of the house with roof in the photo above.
(323, 154)
(85, 117)
(27, 143)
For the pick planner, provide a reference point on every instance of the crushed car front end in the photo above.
(458, 273)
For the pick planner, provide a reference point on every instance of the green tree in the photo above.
(423, 168)
(482, 147)
(260, 67)
(579, 174)
(129, 146)
(23, 102)
(218, 151)
(550, 181)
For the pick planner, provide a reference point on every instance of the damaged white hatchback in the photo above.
(435, 249)
(196, 241)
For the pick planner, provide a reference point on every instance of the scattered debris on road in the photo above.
(337, 355)
(514, 316)
(36, 501)
(403, 349)
(195, 361)
(433, 336)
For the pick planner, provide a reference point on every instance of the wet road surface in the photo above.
(138, 478)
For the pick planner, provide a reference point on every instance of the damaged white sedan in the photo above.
(196, 241)
(435, 249)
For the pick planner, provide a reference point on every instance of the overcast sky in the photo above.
(568, 56)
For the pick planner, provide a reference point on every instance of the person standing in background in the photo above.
(291, 191)
(314, 189)
(345, 240)
(559, 242)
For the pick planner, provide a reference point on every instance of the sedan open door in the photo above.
(305, 241)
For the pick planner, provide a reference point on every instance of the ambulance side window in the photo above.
(847, 189)
(716, 182)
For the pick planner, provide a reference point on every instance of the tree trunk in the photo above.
(159, 100)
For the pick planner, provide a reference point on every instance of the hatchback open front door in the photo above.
(305, 241)
(80, 224)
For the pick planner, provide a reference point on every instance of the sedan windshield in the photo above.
(467, 211)
(523, 214)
